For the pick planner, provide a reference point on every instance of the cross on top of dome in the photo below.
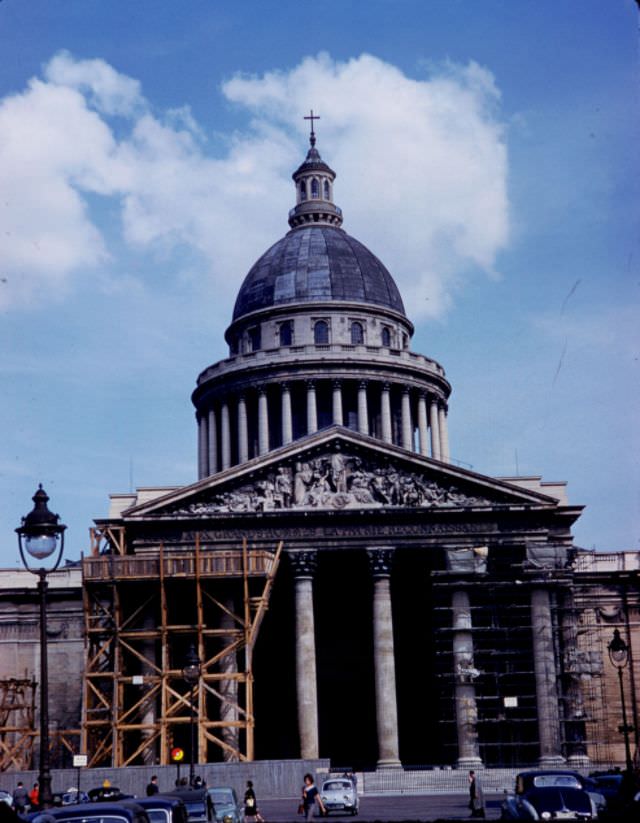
(312, 117)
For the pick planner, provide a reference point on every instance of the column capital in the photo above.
(380, 561)
(304, 564)
(386, 385)
(337, 383)
(284, 385)
(362, 384)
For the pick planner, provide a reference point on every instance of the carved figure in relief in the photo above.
(334, 481)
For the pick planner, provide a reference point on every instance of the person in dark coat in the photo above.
(476, 796)
(20, 798)
(152, 786)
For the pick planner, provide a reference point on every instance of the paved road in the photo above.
(388, 807)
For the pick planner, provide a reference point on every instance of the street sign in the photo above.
(79, 760)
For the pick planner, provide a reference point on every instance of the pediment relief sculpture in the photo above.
(334, 481)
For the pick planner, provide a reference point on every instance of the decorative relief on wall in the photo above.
(334, 481)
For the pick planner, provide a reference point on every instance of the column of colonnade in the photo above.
(304, 567)
(544, 666)
(214, 426)
(466, 706)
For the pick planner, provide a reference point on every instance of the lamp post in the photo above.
(619, 657)
(41, 536)
(191, 673)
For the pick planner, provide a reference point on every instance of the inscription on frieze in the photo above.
(333, 481)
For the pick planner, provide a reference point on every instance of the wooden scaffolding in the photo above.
(142, 613)
(17, 723)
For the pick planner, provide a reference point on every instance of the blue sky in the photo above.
(485, 151)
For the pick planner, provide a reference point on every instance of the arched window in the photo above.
(405, 341)
(357, 334)
(315, 189)
(286, 333)
(386, 337)
(327, 192)
(303, 189)
(321, 333)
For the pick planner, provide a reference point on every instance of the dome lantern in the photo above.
(314, 189)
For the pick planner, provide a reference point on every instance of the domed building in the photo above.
(347, 592)
(319, 337)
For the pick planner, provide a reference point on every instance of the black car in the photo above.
(125, 811)
(550, 803)
(162, 808)
(199, 807)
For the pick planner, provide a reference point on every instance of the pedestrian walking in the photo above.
(152, 786)
(34, 797)
(20, 797)
(251, 812)
(476, 796)
(311, 798)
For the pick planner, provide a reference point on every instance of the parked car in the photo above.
(198, 804)
(339, 794)
(6, 797)
(225, 800)
(125, 811)
(542, 778)
(551, 802)
(161, 808)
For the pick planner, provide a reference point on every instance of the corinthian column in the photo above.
(304, 567)
(546, 684)
(243, 431)
(384, 660)
(407, 429)
(338, 418)
(435, 428)
(363, 409)
(464, 674)
(225, 436)
(422, 425)
(263, 423)
(287, 425)
(385, 413)
(312, 408)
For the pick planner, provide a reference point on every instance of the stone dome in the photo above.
(317, 264)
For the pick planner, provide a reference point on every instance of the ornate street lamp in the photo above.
(41, 537)
(191, 673)
(619, 657)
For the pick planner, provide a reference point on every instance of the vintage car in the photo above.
(518, 804)
(198, 804)
(162, 808)
(339, 794)
(550, 803)
(225, 800)
(124, 811)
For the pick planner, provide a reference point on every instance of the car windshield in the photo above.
(195, 808)
(221, 796)
(336, 785)
(543, 780)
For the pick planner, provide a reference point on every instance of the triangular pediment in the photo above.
(338, 469)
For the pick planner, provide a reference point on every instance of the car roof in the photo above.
(187, 794)
(161, 800)
(86, 809)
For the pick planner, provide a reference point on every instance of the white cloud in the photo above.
(421, 172)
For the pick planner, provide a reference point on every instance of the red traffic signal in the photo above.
(177, 755)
